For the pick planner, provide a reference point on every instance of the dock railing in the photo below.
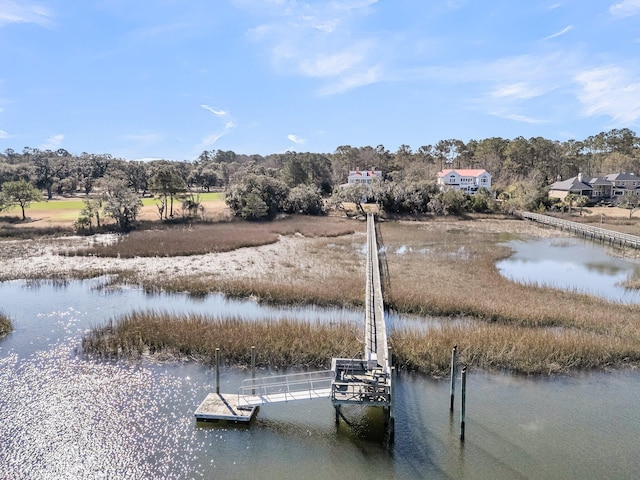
(285, 388)
(587, 231)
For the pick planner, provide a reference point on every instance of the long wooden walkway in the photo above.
(586, 231)
(365, 380)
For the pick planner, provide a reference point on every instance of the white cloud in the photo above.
(625, 8)
(519, 91)
(217, 113)
(213, 137)
(331, 65)
(295, 139)
(560, 33)
(610, 91)
(13, 12)
(319, 40)
(355, 80)
(53, 142)
(4, 134)
(518, 118)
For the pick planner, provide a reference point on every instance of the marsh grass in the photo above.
(198, 239)
(287, 344)
(451, 271)
(279, 344)
(325, 271)
(5, 325)
(516, 349)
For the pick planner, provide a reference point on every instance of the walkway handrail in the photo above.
(624, 239)
(287, 385)
(375, 329)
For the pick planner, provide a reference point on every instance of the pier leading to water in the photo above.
(363, 381)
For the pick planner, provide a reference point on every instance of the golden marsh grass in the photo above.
(279, 344)
(215, 237)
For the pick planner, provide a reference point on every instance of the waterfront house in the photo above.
(466, 180)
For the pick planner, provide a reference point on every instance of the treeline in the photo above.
(260, 186)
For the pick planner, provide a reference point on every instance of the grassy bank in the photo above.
(5, 325)
(280, 344)
(294, 344)
(216, 237)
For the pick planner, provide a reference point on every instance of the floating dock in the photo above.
(218, 406)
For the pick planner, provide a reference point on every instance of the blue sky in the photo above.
(171, 78)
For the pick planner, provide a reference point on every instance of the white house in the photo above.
(464, 179)
(363, 177)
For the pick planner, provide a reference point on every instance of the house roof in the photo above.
(596, 181)
(621, 176)
(570, 185)
(463, 172)
(365, 173)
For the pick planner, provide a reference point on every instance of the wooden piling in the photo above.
(217, 370)
(253, 370)
(454, 355)
(463, 402)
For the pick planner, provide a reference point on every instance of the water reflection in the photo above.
(571, 264)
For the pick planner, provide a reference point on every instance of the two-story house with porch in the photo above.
(363, 177)
(465, 180)
(609, 187)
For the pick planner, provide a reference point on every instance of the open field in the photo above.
(62, 212)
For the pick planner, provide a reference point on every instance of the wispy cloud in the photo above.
(4, 134)
(610, 91)
(216, 112)
(354, 80)
(319, 40)
(518, 118)
(54, 142)
(625, 8)
(213, 137)
(566, 29)
(519, 91)
(24, 12)
(295, 139)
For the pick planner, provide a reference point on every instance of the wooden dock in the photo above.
(587, 231)
(365, 381)
(222, 406)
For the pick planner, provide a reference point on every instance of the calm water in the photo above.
(62, 416)
(573, 264)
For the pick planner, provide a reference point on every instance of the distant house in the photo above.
(574, 186)
(465, 180)
(624, 184)
(363, 177)
(608, 187)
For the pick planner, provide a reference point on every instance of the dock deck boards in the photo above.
(218, 406)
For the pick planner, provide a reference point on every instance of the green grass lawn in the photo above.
(77, 204)
(62, 204)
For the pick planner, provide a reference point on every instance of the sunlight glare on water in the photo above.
(64, 417)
